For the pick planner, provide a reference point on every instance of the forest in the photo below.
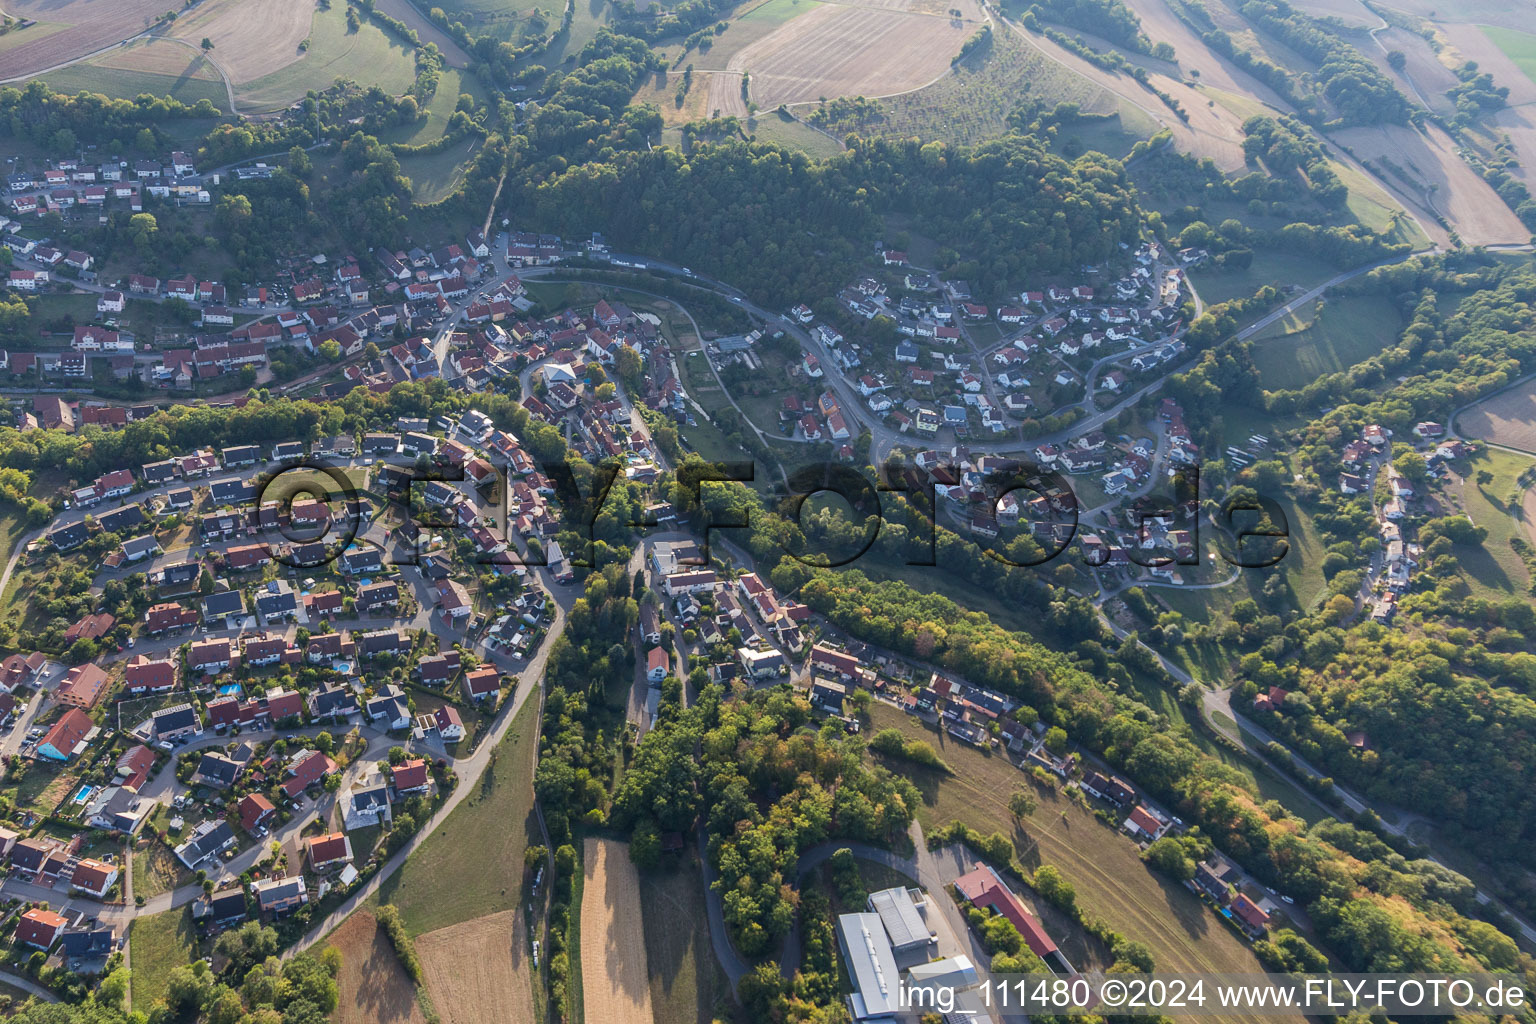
(1447, 705)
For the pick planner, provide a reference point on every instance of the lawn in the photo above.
(1519, 47)
(1324, 337)
(1111, 881)
(472, 865)
(687, 984)
(159, 942)
(368, 55)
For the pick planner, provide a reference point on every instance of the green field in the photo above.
(1494, 570)
(121, 83)
(431, 128)
(686, 983)
(158, 943)
(1268, 268)
(472, 865)
(368, 56)
(590, 16)
(436, 176)
(156, 870)
(1519, 47)
(1324, 337)
(1111, 881)
(499, 18)
(31, 34)
(783, 130)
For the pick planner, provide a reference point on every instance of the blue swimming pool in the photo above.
(229, 690)
(84, 793)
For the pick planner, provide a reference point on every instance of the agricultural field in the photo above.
(1507, 418)
(436, 176)
(159, 942)
(842, 50)
(1492, 497)
(67, 30)
(373, 987)
(159, 67)
(445, 881)
(616, 987)
(1518, 47)
(477, 972)
(444, 101)
(1423, 168)
(686, 981)
(408, 12)
(754, 23)
(1112, 884)
(1324, 337)
(499, 18)
(260, 45)
(971, 104)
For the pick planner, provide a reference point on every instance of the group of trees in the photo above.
(1357, 89)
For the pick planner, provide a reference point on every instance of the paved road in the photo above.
(28, 986)
(468, 770)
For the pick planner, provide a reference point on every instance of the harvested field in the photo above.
(616, 987)
(1425, 172)
(374, 988)
(1508, 418)
(972, 103)
(251, 37)
(367, 56)
(477, 972)
(838, 50)
(752, 25)
(159, 57)
(71, 29)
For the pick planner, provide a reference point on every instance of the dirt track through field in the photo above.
(374, 988)
(616, 986)
(477, 971)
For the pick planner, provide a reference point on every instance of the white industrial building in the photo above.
(871, 965)
(902, 920)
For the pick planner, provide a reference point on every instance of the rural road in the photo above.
(468, 770)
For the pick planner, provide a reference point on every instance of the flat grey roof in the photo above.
(899, 915)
